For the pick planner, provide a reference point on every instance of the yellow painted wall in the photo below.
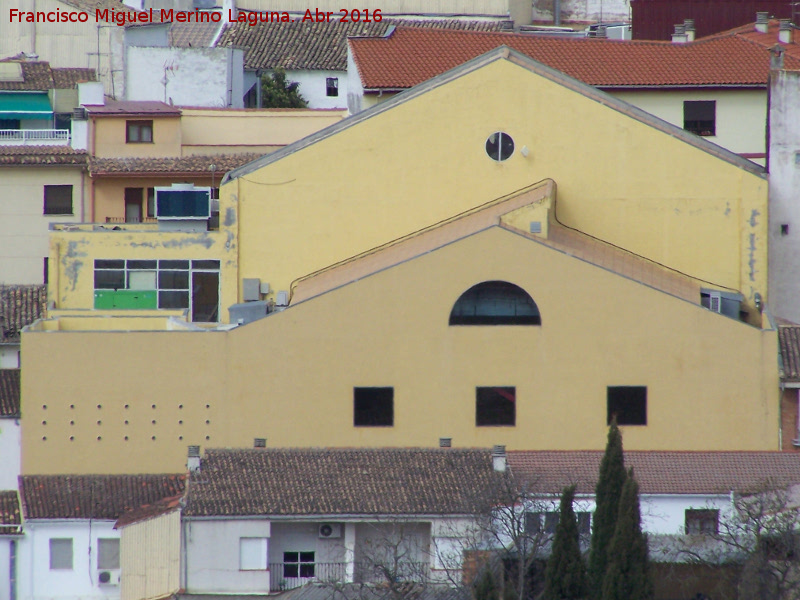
(107, 137)
(24, 229)
(424, 160)
(72, 256)
(290, 377)
(150, 558)
(209, 131)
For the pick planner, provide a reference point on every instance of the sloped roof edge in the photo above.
(504, 52)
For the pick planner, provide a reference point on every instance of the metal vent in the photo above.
(499, 450)
(79, 114)
(194, 450)
(260, 443)
(536, 227)
(445, 442)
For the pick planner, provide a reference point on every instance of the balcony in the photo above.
(288, 576)
(34, 137)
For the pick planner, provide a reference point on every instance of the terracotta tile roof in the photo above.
(68, 78)
(125, 108)
(365, 481)
(149, 511)
(410, 56)
(41, 155)
(765, 40)
(319, 46)
(95, 496)
(20, 305)
(9, 392)
(192, 35)
(10, 516)
(184, 164)
(660, 472)
(39, 76)
(789, 339)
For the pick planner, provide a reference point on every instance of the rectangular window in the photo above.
(628, 403)
(538, 522)
(252, 554)
(9, 124)
(60, 553)
(700, 117)
(151, 202)
(139, 132)
(108, 553)
(133, 205)
(58, 199)
(46, 270)
(332, 86)
(373, 407)
(298, 564)
(702, 522)
(495, 406)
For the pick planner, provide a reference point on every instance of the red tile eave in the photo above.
(193, 174)
(151, 115)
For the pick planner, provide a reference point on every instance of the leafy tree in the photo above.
(607, 495)
(565, 577)
(627, 573)
(486, 588)
(276, 92)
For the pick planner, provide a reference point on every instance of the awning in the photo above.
(18, 105)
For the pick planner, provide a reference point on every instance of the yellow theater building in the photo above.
(501, 255)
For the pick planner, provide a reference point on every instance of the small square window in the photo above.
(496, 406)
(700, 117)
(332, 86)
(702, 522)
(298, 564)
(628, 403)
(108, 553)
(373, 407)
(139, 132)
(60, 553)
(58, 199)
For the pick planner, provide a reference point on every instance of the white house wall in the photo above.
(209, 77)
(740, 119)
(23, 228)
(212, 556)
(784, 183)
(9, 454)
(38, 582)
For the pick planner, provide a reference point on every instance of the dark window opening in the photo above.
(133, 205)
(63, 121)
(58, 199)
(705, 522)
(46, 270)
(700, 117)
(298, 564)
(151, 202)
(10, 124)
(496, 406)
(139, 132)
(499, 146)
(495, 303)
(373, 407)
(332, 86)
(628, 404)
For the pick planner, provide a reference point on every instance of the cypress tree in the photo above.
(627, 573)
(607, 494)
(565, 577)
(486, 588)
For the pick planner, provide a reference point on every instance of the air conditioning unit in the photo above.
(330, 530)
(108, 577)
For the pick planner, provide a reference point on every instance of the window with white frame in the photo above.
(298, 564)
(252, 554)
(108, 553)
(60, 553)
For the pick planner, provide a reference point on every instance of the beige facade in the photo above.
(107, 137)
(150, 557)
(24, 225)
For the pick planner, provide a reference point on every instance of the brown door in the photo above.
(205, 297)
(133, 205)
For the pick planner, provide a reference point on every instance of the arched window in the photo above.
(495, 303)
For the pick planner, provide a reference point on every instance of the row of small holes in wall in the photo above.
(126, 407)
(153, 422)
(125, 438)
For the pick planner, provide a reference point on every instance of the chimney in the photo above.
(679, 37)
(785, 31)
(762, 22)
(776, 58)
(193, 461)
(601, 32)
(499, 459)
(445, 442)
(688, 25)
(259, 442)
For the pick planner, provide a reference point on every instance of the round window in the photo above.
(499, 146)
